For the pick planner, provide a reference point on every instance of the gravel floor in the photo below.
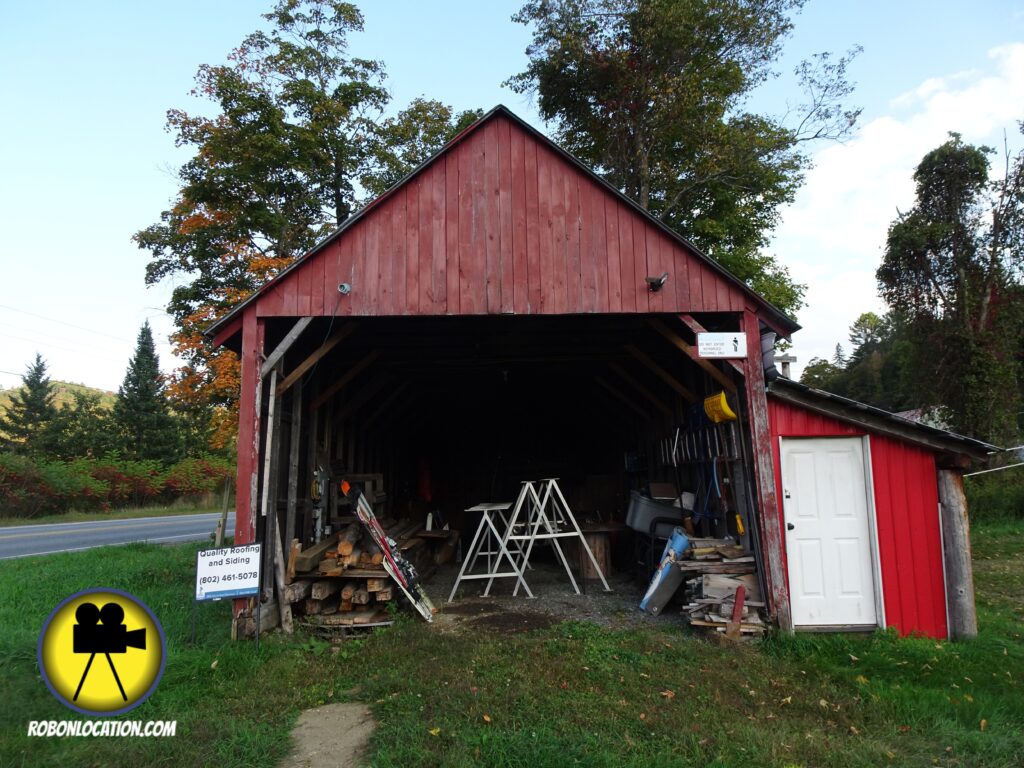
(554, 600)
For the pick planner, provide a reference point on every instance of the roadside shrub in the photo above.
(72, 486)
(129, 483)
(995, 497)
(23, 488)
(28, 489)
(195, 477)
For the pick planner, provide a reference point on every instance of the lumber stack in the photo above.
(341, 580)
(714, 570)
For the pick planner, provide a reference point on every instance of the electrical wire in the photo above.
(62, 322)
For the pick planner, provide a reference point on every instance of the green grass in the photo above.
(114, 514)
(573, 693)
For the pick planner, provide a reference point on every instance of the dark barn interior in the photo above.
(455, 411)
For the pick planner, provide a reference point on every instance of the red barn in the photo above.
(502, 314)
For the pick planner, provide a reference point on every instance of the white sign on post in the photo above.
(228, 572)
(722, 345)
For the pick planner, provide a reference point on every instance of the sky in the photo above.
(85, 160)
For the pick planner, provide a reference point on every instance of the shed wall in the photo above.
(500, 224)
(906, 511)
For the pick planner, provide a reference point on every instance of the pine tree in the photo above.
(28, 422)
(147, 428)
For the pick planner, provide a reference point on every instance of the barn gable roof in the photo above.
(501, 221)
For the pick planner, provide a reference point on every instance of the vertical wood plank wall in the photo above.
(906, 511)
(500, 224)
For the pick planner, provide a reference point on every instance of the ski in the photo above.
(397, 567)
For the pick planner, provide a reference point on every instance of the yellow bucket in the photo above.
(717, 408)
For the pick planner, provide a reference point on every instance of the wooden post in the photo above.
(956, 555)
(280, 577)
(249, 407)
(764, 475)
(293, 464)
(271, 543)
(249, 404)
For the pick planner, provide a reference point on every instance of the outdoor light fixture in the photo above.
(656, 283)
(344, 289)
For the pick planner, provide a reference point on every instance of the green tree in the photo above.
(821, 374)
(865, 334)
(295, 139)
(411, 137)
(952, 266)
(877, 369)
(28, 422)
(84, 428)
(651, 94)
(147, 429)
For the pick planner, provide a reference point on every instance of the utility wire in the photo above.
(62, 322)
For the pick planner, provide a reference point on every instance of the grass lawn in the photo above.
(573, 693)
(114, 514)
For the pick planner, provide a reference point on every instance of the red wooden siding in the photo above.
(906, 517)
(500, 224)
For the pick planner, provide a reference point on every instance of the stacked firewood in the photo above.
(342, 581)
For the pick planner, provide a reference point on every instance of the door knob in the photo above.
(790, 526)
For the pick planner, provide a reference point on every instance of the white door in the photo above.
(828, 539)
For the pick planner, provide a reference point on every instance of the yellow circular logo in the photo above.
(101, 652)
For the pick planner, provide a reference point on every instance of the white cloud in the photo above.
(833, 235)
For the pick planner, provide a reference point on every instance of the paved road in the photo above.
(25, 540)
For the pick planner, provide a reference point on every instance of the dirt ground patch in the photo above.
(333, 735)
(512, 621)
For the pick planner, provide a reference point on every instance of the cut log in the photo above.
(328, 564)
(361, 596)
(293, 553)
(383, 595)
(345, 605)
(349, 538)
(308, 559)
(325, 588)
(352, 559)
(297, 590)
(376, 585)
(349, 589)
(366, 616)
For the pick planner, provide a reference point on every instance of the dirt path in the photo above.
(334, 735)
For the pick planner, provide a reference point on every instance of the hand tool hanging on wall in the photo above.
(719, 412)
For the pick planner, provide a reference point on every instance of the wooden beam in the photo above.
(228, 331)
(770, 527)
(350, 374)
(956, 554)
(268, 507)
(386, 404)
(294, 450)
(361, 398)
(280, 578)
(315, 358)
(652, 398)
(623, 398)
(286, 343)
(690, 351)
(662, 374)
(690, 322)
